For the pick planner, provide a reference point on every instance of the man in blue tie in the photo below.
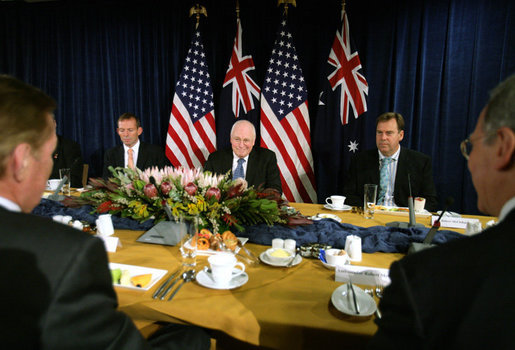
(255, 164)
(393, 168)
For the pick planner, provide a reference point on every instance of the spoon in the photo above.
(188, 276)
(379, 291)
(290, 263)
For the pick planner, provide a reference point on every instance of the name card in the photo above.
(362, 275)
(111, 243)
(453, 222)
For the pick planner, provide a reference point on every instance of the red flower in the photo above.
(213, 192)
(190, 189)
(166, 188)
(106, 207)
(150, 190)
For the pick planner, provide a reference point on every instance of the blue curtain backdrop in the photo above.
(433, 61)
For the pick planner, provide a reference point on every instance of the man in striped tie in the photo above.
(255, 164)
(393, 168)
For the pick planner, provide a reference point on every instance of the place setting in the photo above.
(282, 254)
(224, 272)
(336, 203)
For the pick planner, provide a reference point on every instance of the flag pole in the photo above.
(237, 9)
(197, 10)
(286, 3)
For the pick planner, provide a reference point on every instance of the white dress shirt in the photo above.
(135, 149)
(9, 204)
(392, 171)
(235, 163)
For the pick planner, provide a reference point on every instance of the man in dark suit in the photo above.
(259, 165)
(405, 167)
(460, 295)
(67, 154)
(144, 155)
(58, 292)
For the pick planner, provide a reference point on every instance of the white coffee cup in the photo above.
(223, 268)
(353, 247)
(419, 203)
(52, 184)
(335, 257)
(335, 201)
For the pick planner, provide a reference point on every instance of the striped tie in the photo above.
(238, 172)
(384, 179)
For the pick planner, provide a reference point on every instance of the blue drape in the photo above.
(433, 61)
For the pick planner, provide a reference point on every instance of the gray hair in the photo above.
(500, 110)
(242, 121)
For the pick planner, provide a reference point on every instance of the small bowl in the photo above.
(278, 259)
(334, 258)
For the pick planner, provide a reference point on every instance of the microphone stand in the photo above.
(412, 220)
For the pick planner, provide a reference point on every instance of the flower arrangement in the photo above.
(218, 201)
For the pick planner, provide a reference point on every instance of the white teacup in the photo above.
(223, 268)
(52, 184)
(104, 225)
(335, 201)
(336, 257)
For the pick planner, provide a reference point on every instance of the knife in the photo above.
(160, 289)
(353, 296)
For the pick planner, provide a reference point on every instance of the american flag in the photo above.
(337, 136)
(285, 121)
(353, 85)
(191, 131)
(240, 94)
(243, 86)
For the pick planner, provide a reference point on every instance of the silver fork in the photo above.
(379, 294)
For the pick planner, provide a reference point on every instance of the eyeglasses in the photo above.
(466, 145)
(245, 141)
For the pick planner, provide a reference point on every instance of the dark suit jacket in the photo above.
(148, 156)
(67, 154)
(57, 291)
(261, 170)
(364, 169)
(456, 296)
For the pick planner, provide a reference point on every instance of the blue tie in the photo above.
(239, 170)
(384, 179)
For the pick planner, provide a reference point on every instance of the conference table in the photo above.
(278, 308)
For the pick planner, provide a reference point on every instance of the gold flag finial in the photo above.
(198, 10)
(286, 3)
(237, 9)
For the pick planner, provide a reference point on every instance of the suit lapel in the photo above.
(401, 176)
(141, 156)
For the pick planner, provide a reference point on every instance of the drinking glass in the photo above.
(66, 186)
(188, 243)
(369, 201)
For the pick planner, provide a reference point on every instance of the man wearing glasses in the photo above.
(460, 295)
(255, 164)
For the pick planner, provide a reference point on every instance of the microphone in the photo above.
(427, 242)
(412, 219)
(167, 209)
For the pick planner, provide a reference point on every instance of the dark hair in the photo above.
(391, 115)
(25, 117)
(128, 116)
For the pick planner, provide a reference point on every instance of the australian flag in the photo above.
(338, 129)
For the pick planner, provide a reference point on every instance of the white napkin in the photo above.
(105, 225)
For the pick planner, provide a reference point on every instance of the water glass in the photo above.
(188, 244)
(66, 186)
(369, 201)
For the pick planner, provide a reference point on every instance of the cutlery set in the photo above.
(166, 287)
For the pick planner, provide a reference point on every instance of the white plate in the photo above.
(344, 208)
(134, 270)
(205, 280)
(332, 267)
(243, 240)
(321, 216)
(343, 301)
(399, 211)
(264, 258)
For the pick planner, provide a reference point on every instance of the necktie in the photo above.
(384, 179)
(239, 170)
(130, 162)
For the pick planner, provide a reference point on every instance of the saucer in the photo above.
(343, 301)
(344, 208)
(321, 216)
(332, 267)
(205, 280)
(264, 258)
